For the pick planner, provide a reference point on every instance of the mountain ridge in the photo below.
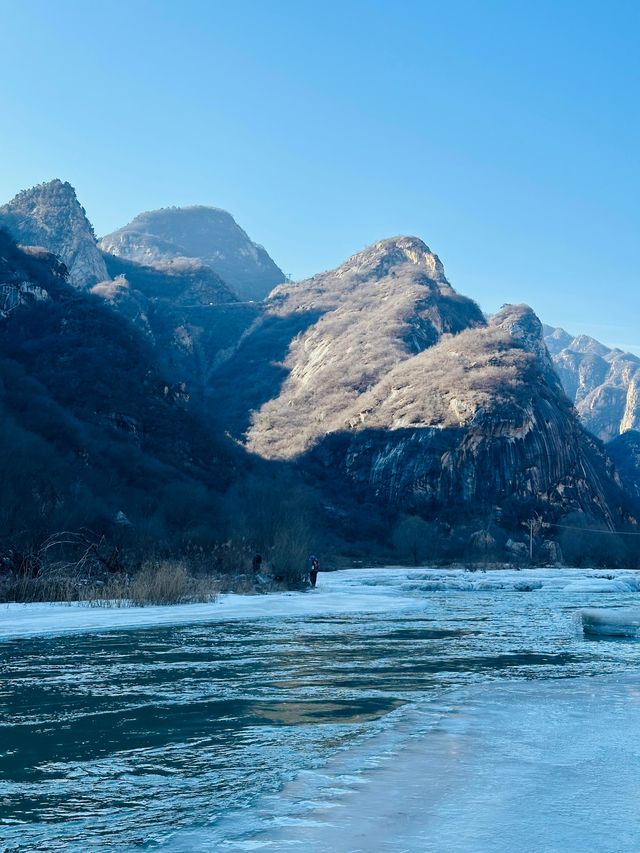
(391, 381)
(208, 234)
(375, 391)
(603, 382)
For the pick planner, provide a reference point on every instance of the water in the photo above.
(338, 723)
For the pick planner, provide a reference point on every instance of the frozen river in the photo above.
(390, 709)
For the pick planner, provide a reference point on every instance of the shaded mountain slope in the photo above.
(176, 301)
(184, 308)
(625, 452)
(207, 234)
(188, 313)
(90, 426)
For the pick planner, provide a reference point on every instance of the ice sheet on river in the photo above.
(548, 766)
(611, 622)
(352, 591)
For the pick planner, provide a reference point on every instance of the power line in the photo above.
(590, 529)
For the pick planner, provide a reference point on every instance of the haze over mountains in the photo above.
(396, 414)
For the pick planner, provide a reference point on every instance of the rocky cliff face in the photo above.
(206, 234)
(20, 284)
(625, 452)
(379, 376)
(477, 426)
(50, 215)
(603, 383)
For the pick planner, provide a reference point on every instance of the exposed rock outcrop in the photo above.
(206, 234)
(26, 275)
(50, 215)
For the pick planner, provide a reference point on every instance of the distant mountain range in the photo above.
(603, 383)
(170, 375)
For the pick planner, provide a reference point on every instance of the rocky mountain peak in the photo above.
(522, 323)
(556, 338)
(207, 234)
(588, 346)
(379, 258)
(50, 215)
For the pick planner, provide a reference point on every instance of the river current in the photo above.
(372, 698)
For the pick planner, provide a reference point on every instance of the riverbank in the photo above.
(366, 590)
(32, 620)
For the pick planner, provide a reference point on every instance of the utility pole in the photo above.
(531, 539)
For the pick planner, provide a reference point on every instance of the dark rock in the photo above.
(625, 452)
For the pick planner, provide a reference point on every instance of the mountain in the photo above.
(603, 383)
(91, 428)
(356, 322)
(477, 427)
(625, 452)
(368, 406)
(50, 215)
(206, 234)
(389, 388)
(185, 309)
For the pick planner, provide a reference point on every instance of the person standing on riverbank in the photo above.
(314, 568)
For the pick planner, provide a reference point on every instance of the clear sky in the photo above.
(505, 134)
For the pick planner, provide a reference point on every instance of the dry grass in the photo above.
(157, 583)
(479, 369)
(52, 587)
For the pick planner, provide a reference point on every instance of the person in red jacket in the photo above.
(314, 568)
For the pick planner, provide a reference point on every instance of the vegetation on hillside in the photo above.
(116, 479)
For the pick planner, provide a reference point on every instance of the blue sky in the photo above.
(505, 134)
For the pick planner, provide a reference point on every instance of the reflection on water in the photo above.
(123, 737)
